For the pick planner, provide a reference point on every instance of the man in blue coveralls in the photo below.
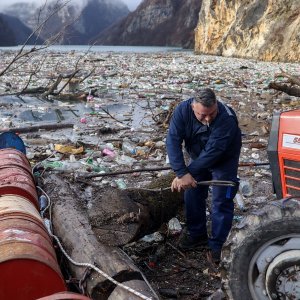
(212, 138)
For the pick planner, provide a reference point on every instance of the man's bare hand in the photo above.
(185, 182)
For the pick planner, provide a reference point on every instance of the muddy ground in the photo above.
(128, 98)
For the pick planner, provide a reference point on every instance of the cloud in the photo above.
(132, 4)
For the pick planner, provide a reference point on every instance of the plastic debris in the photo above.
(240, 201)
(174, 226)
(154, 237)
(128, 147)
(121, 184)
(246, 188)
(83, 120)
(68, 149)
(108, 152)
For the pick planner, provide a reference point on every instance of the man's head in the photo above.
(205, 106)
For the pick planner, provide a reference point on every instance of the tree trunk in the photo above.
(71, 224)
(89, 227)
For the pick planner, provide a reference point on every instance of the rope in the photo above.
(98, 271)
(88, 265)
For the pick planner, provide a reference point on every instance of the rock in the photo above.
(259, 29)
(158, 23)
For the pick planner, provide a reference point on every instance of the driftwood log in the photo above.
(90, 225)
(292, 89)
(35, 128)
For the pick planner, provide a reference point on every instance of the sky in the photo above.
(132, 4)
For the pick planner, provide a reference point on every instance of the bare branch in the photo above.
(68, 81)
(294, 80)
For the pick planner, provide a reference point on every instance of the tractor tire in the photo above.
(261, 258)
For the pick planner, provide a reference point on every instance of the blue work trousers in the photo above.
(222, 204)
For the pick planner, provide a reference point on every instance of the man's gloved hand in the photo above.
(185, 182)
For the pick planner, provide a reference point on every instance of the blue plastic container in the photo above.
(11, 140)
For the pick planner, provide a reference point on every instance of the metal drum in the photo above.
(14, 158)
(17, 181)
(28, 265)
(16, 175)
(65, 296)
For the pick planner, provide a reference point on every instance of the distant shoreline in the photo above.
(84, 48)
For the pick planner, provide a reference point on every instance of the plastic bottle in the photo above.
(48, 226)
(52, 164)
(43, 202)
(141, 151)
(70, 166)
(121, 184)
(125, 160)
(128, 147)
(240, 201)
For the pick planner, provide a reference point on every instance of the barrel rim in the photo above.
(63, 295)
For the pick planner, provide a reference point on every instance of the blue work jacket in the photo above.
(207, 146)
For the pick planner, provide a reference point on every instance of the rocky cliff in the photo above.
(156, 23)
(261, 29)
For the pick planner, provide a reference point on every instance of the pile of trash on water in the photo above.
(114, 115)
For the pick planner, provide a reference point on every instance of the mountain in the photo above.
(74, 23)
(13, 32)
(21, 10)
(156, 23)
(7, 37)
(259, 29)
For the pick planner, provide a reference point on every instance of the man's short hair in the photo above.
(206, 97)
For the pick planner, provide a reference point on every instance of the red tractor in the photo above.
(261, 258)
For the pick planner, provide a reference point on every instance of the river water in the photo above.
(84, 48)
(24, 109)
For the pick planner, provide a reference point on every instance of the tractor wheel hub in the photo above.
(283, 276)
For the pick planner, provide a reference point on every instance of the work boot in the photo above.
(214, 256)
(188, 242)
